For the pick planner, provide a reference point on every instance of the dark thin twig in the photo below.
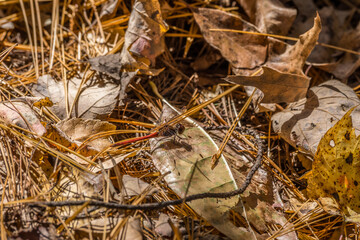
(152, 206)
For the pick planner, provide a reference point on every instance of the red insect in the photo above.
(164, 131)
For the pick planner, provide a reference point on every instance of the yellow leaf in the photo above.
(336, 167)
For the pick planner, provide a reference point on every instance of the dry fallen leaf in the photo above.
(21, 114)
(97, 98)
(248, 52)
(336, 168)
(293, 58)
(338, 30)
(75, 132)
(162, 226)
(187, 165)
(269, 16)
(79, 129)
(133, 186)
(304, 123)
(290, 63)
(204, 61)
(276, 86)
(333, 29)
(242, 51)
(187, 170)
(348, 62)
(35, 231)
(144, 41)
(111, 161)
(108, 9)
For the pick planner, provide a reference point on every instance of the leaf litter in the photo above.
(268, 54)
(58, 147)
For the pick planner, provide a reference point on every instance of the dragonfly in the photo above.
(173, 127)
(164, 131)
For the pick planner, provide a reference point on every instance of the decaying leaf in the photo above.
(162, 226)
(348, 62)
(190, 173)
(134, 186)
(144, 41)
(187, 165)
(110, 65)
(336, 168)
(304, 123)
(55, 134)
(290, 63)
(333, 29)
(112, 160)
(203, 62)
(109, 8)
(338, 30)
(269, 16)
(294, 57)
(247, 52)
(276, 86)
(242, 51)
(97, 97)
(58, 140)
(21, 114)
(79, 129)
(76, 132)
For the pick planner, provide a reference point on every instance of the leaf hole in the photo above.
(332, 143)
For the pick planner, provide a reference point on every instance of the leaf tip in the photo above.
(317, 20)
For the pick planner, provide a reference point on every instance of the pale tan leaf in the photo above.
(134, 186)
(187, 170)
(21, 114)
(162, 226)
(97, 98)
(304, 123)
(186, 165)
(79, 129)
